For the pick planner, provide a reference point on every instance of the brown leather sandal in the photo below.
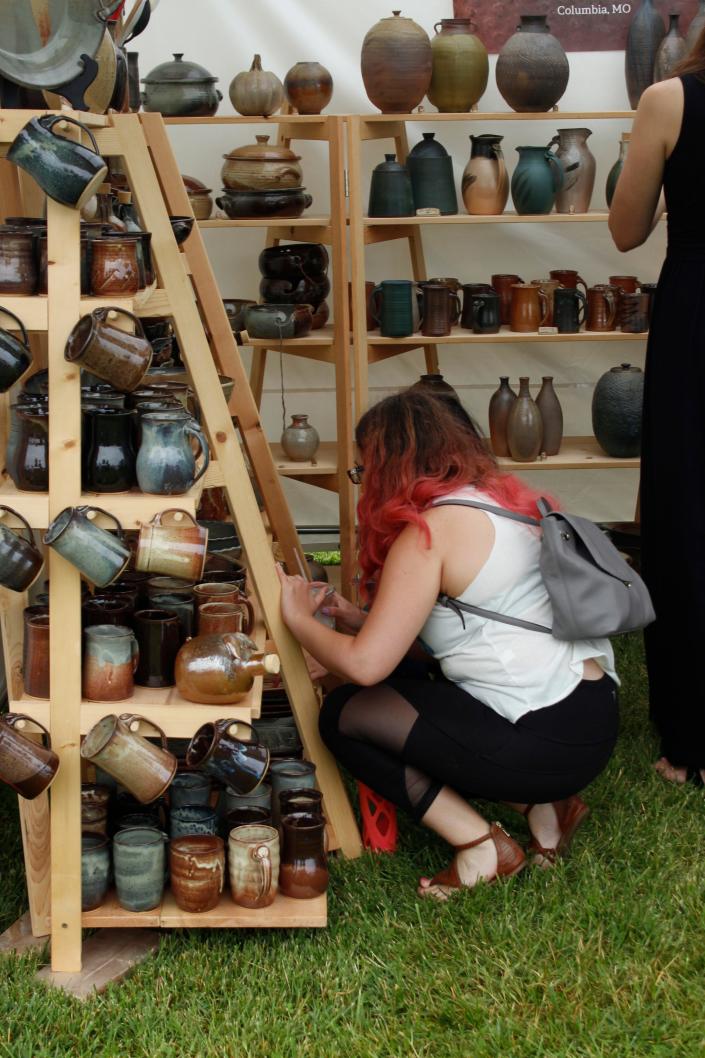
(570, 813)
(510, 859)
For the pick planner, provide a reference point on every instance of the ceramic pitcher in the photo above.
(536, 181)
(166, 465)
(576, 193)
(253, 863)
(216, 750)
(485, 183)
(109, 661)
(142, 768)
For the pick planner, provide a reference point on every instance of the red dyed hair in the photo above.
(417, 446)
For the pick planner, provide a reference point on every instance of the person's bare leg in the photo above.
(670, 772)
(453, 819)
(543, 823)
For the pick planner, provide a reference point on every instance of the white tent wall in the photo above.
(223, 35)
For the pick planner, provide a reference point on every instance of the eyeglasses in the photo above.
(355, 474)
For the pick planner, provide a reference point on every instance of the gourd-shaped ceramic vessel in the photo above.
(672, 50)
(551, 416)
(536, 180)
(501, 403)
(460, 67)
(646, 31)
(524, 426)
(616, 411)
(532, 68)
(579, 164)
(300, 440)
(485, 184)
(210, 669)
(616, 170)
(396, 63)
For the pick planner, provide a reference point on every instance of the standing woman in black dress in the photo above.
(665, 168)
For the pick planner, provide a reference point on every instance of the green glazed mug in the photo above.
(394, 304)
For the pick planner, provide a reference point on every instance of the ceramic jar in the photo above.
(391, 193)
(308, 87)
(166, 465)
(139, 858)
(261, 167)
(460, 66)
(199, 196)
(524, 426)
(485, 182)
(536, 181)
(300, 440)
(579, 164)
(617, 411)
(29, 469)
(95, 870)
(616, 170)
(109, 455)
(142, 768)
(431, 171)
(180, 89)
(501, 403)
(18, 261)
(276, 202)
(109, 661)
(197, 872)
(303, 869)
(209, 670)
(396, 63)
(253, 864)
(644, 37)
(532, 68)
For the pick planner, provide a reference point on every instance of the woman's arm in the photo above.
(637, 204)
(407, 590)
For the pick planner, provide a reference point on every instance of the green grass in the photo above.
(602, 957)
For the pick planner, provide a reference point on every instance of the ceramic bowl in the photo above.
(294, 260)
(284, 202)
(298, 291)
(181, 227)
(278, 321)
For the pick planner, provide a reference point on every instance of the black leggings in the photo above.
(407, 738)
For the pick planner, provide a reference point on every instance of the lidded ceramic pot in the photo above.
(180, 88)
(396, 63)
(391, 193)
(431, 171)
(261, 166)
(532, 68)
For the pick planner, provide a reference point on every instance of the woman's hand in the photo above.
(348, 617)
(299, 598)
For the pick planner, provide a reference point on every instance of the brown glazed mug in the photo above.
(25, 765)
(197, 872)
(225, 592)
(114, 267)
(549, 287)
(568, 277)
(634, 313)
(628, 284)
(20, 560)
(601, 308)
(239, 764)
(107, 609)
(253, 864)
(35, 656)
(503, 283)
(141, 767)
(115, 356)
(441, 309)
(220, 617)
(529, 308)
(303, 870)
(110, 657)
(176, 549)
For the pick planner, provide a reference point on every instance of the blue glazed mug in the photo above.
(191, 820)
(101, 556)
(67, 171)
(95, 870)
(189, 788)
(139, 857)
(20, 561)
(166, 465)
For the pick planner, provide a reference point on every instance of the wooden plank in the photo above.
(461, 336)
(19, 938)
(551, 116)
(36, 843)
(324, 336)
(292, 225)
(298, 120)
(64, 309)
(313, 234)
(177, 717)
(13, 121)
(397, 224)
(284, 912)
(357, 269)
(109, 956)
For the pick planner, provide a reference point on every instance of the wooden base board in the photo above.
(109, 955)
(18, 938)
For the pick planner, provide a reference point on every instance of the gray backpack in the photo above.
(593, 591)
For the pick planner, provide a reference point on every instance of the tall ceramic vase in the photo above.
(551, 416)
(696, 27)
(672, 50)
(485, 184)
(532, 68)
(643, 41)
(396, 63)
(579, 163)
(501, 404)
(524, 426)
(616, 170)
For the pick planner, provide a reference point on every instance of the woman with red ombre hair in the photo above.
(516, 716)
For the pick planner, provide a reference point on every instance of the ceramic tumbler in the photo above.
(95, 869)
(634, 313)
(441, 309)
(253, 864)
(601, 308)
(189, 788)
(303, 870)
(99, 555)
(197, 870)
(530, 308)
(25, 764)
(107, 609)
(192, 819)
(139, 859)
(469, 291)
(20, 559)
(300, 799)
(15, 353)
(35, 656)
(95, 802)
(239, 764)
(115, 270)
(289, 774)
(158, 638)
(503, 283)
(172, 546)
(486, 312)
(181, 604)
(225, 592)
(569, 308)
(220, 617)
(109, 353)
(394, 306)
(249, 814)
(231, 800)
(568, 277)
(142, 768)
(110, 658)
(65, 170)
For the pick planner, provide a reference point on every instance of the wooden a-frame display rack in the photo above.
(52, 839)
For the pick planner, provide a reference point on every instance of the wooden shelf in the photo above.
(577, 453)
(460, 336)
(238, 119)
(266, 222)
(33, 311)
(595, 216)
(326, 462)
(318, 345)
(283, 913)
(504, 115)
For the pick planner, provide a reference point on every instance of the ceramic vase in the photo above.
(396, 63)
(579, 165)
(672, 50)
(308, 87)
(532, 68)
(536, 181)
(300, 440)
(524, 426)
(616, 170)
(485, 183)
(501, 403)
(460, 67)
(551, 416)
(646, 32)
(617, 410)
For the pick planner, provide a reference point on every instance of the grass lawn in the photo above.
(603, 956)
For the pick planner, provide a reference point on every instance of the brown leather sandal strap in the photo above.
(472, 844)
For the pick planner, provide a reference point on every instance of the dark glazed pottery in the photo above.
(109, 463)
(441, 309)
(432, 180)
(35, 656)
(113, 355)
(20, 560)
(646, 31)
(536, 180)
(672, 50)
(214, 749)
(67, 171)
(616, 170)
(158, 635)
(569, 308)
(551, 416)
(303, 869)
(18, 261)
(180, 88)
(308, 87)
(391, 193)
(31, 462)
(532, 67)
(434, 384)
(486, 312)
(25, 765)
(182, 228)
(298, 290)
(616, 411)
(278, 321)
(394, 305)
(235, 311)
(396, 64)
(284, 202)
(114, 267)
(524, 426)
(95, 870)
(107, 610)
(294, 260)
(501, 403)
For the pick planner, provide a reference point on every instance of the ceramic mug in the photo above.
(569, 309)
(159, 638)
(67, 171)
(35, 656)
(187, 820)
(220, 617)
(239, 764)
(139, 859)
(394, 306)
(113, 355)
(173, 550)
(182, 604)
(300, 799)
(303, 870)
(110, 659)
(189, 788)
(107, 609)
(99, 555)
(289, 774)
(95, 869)
(261, 797)
(634, 313)
(25, 765)
(568, 277)
(469, 291)
(601, 308)
(486, 312)
(197, 870)
(503, 283)
(142, 768)
(441, 309)
(247, 815)
(530, 308)
(15, 354)
(549, 288)
(225, 592)
(253, 864)
(20, 560)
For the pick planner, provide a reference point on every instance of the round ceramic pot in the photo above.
(95, 870)
(300, 440)
(180, 89)
(294, 260)
(197, 869)
(278, 321)
(308, 87)
(284, 202)
(532, 69)
(460, 66)
(396, 63)
(139, 857)
(617, 411)
(261, 167)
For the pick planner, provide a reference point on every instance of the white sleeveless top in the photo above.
(512, 670)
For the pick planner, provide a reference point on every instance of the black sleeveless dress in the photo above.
(673, 453)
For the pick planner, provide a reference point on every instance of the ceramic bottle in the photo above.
(672, 50)
(524, 426)
(460, 66)
(551, 416)
(646, 31)
(396, 63)
(300, 440)
(485, 183)
(501, 403)
(210, 670)
(532, 68)
(579, 165)
(616, 170)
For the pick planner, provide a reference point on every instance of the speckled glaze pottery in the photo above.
(300, 440)
(166, 464)
(192, 819)
(179, 88)
(25, 765)
(95, 870)
(197, 868)
(142, 768)
(532, 68)
(67, 171)
(253, 865)
(173, 548)
(113, 355)
(99, 555)
(139, 857)
(189, 788)
(20, 560)
(109, 661)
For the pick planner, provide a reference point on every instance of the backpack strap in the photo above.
(490, 509)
